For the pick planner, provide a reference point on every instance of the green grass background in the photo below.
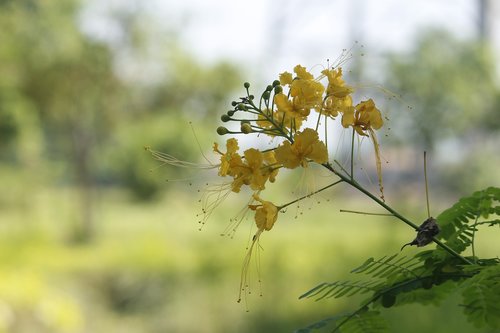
(150, 269)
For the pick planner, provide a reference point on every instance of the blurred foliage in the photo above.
(155, 274)
(431, 275)
(62, 83)
(450, 85)
(451, 89)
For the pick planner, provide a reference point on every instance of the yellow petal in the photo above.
(348, 117)
(302, 73)
(286, 78)
(319, 153)
(232, 145)
(286, 157)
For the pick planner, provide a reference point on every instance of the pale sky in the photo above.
(266, 35)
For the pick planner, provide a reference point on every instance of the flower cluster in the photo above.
(283, 111)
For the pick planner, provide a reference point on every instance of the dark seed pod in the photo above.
(425, 233)
(427, 283)
(388, 300)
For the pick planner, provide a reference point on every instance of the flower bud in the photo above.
(221, 130)
(225, 118)
(276, 83)
(246, 128)
(266, 95)
(269, 88)
(230, 113)
(242, 106)
(278, 89)
(234, 103)
(246, 85)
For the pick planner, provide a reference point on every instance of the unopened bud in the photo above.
(246, 85)
(278, 89)
(221, 130)
(276, 83)
(246, 128)
(225, 118)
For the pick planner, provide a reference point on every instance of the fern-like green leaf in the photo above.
(341, 288)
(459, 223)
(480, 295)
(432, 294)
(491, 223)
(389, 267)
(369, 321)
(320, 324)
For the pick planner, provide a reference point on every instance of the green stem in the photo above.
(352, 155)
(355, 184)
(426, 185)
(270, 118)
(364, 213)
(310, 194)
(474, 228)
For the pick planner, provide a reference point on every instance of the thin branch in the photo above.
(426, 185)
(310, 194)
(364, 213)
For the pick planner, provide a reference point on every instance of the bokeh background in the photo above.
(93, 238)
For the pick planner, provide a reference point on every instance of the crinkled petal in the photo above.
(285, 156)
(319, 153)
(286, 78)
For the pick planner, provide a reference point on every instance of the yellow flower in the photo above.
(305, 94)
(332, 106)
(288, 115)
(306, 146)
(229, 160)
(336, 85)
(364, 117)
(255, 170)
(266, 213)
(302, 73)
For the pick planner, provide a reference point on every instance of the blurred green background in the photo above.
(94, 239)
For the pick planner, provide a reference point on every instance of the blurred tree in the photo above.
(450, 85)
(93, 115)
(190, 93)
(69, 79)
